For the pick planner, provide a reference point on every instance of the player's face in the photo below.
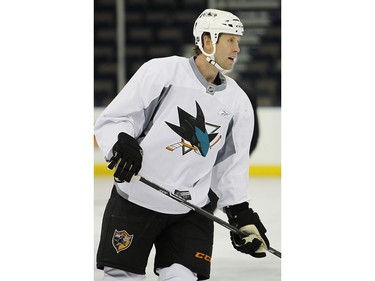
(227, 49)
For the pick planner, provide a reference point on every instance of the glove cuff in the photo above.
(127, 139)
(240, 215)
(234, 210)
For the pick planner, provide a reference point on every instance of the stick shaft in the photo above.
(201, 211)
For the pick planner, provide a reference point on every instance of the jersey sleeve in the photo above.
(128, 110)
(230, 177)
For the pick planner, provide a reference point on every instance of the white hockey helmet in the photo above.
(215, 21)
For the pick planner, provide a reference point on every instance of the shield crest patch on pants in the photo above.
(121, 240)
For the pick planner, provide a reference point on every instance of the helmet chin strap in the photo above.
(211, 59)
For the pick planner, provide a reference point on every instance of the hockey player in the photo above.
(182, 124)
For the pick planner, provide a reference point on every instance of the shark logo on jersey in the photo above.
(194, 133)
(121, 240)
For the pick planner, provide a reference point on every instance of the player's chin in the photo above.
(228, 67)
(230, 63)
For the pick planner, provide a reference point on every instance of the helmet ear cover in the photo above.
(208, 34)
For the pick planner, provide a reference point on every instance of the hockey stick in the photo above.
(201, 211)
(174, 146)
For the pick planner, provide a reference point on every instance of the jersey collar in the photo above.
(210, 88)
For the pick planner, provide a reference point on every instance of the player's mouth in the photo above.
(232, 58)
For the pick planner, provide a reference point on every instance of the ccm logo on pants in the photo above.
(200, 255)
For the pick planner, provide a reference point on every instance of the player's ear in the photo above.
(207, 43)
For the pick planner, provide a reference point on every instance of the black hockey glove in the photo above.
(127, 158)
(244, 218)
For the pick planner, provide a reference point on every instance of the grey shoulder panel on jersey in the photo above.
(151, 110)
(228, 149)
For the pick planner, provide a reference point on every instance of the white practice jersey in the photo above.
(195, 135)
